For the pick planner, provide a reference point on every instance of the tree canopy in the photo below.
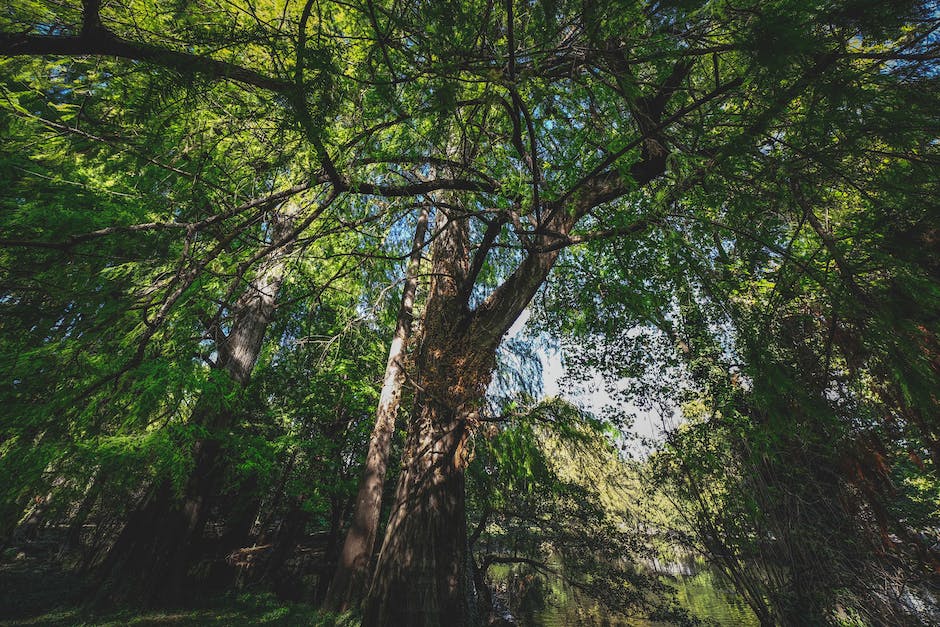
(211, 210)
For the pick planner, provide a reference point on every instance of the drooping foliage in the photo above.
(551, 498)
(797, 325)
(206, 212)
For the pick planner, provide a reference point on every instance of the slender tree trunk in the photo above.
(271, 508)
(151, 556)
(241, 513)
(285, 539)
(339, 509)
(352, 572)
(73, 536)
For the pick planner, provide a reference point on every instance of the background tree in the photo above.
(550, 496)
(785, 315)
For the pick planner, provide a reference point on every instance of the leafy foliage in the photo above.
(734, 208)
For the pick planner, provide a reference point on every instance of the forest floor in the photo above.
(36, 591)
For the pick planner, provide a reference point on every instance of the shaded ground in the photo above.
(35, 591)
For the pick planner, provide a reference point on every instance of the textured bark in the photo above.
(423, 576)
(352, 572)
(420, 576)
(151, 557)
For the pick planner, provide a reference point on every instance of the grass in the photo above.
(243, 609)
(34, 592)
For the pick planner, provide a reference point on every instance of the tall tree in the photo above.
(163, 536)
(547, 125)
(353, 570)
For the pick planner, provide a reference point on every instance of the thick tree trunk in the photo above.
(151, 557)
(352, 572)
(423, 575)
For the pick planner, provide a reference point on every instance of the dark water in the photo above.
(699, 590)
(708, 596)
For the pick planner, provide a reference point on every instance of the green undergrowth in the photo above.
(243, 609)
(33, 595)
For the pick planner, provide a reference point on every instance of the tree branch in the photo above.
(493, 228)
(101, 42)
(580, 238)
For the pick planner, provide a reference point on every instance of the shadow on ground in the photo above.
(36, 592)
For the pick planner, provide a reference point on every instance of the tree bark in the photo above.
(420, 576)
(423, 575)
(352, 572)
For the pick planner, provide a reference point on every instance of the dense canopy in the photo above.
(237, 239)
